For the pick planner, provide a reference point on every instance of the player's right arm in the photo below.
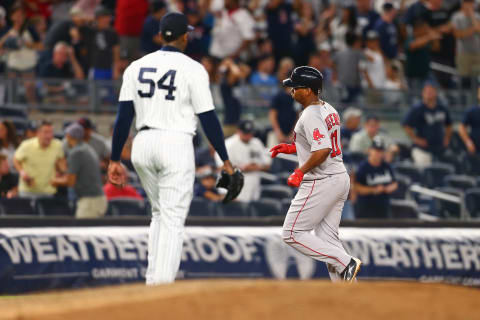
(202, 102)
(121, 129)
(316, 132)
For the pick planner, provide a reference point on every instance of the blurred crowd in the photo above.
(360, 46)
(70, 165)
(357, 44)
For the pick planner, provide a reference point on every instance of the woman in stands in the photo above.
(8, 141)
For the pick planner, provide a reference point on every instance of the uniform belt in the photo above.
(145, 128)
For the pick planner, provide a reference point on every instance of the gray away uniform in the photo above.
(320, 198)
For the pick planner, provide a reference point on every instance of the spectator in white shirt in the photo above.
(374, 66)
(248, 154)
(233, 31)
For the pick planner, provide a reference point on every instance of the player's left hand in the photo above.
(115, 174)
(295, 178)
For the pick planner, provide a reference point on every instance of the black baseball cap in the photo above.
(378, 143)
(173, 25)
(247, 126)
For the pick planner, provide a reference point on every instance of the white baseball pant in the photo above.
(317, 207)
(164, 161)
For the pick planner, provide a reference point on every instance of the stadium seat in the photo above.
(403, 209)
(54, 207)
(458, 160)
(448, 209)
(148, 208)
(132, 177)
(21, 124)
(17, 206)
(266, 207)
(282, 177)
(472, 201)
(277, 192)
(286, 205)
(425, 203)
(127, 207)
(282, 165)
(462, 182)
(12, 111)
(404, 152)
(233, 209)
(201, 207)
(268, 180)
(404, 183)
(409, 170)
(435, 173)
(474, 164)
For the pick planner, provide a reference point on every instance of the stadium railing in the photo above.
(101, 96)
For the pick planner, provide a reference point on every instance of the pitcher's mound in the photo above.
(251, 300)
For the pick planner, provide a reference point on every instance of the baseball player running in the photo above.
(164, 90)
(322, 179)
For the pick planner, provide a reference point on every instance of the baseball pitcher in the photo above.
(165, 90)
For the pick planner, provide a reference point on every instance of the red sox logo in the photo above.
(317, 136)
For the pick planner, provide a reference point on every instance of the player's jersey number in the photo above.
(144, 77)
(336, 150)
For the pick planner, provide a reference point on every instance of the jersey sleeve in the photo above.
(74, 162)
(411, 119)
(128, 86)
(201, 95)
(316, 133)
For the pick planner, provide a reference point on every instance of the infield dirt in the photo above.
(251, 299)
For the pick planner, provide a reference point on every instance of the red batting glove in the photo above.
(283, 148)
(295, 178)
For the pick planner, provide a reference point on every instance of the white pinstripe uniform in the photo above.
(168, 89)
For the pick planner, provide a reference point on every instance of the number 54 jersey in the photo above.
(319, 128)
(168, 89)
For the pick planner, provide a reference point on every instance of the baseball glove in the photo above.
(233, 183)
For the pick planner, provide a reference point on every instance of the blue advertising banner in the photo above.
(33, 259)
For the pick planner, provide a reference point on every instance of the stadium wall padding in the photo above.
(37, 259)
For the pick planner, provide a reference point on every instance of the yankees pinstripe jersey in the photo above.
(168, 88)
(319, 128)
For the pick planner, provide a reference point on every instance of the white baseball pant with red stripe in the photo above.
(318, 206)
(164, 161)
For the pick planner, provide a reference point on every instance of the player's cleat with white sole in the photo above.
(350, 273)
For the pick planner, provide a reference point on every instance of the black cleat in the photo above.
(350, 273)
